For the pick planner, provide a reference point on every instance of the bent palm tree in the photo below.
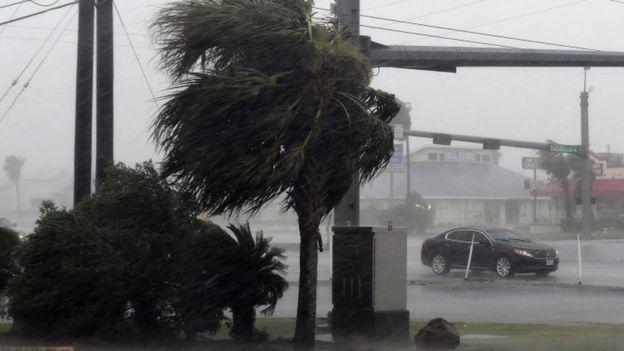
(267, 102)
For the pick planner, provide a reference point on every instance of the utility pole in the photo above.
(586, 162)
(84, 102)
(105, 88)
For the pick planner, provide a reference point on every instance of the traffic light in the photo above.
(442, 139)
(491, 144)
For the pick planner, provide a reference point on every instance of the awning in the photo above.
(601, 188)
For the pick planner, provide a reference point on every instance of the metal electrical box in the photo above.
(369, 285)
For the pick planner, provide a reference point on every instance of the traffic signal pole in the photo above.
(448, 59)
(84, 101)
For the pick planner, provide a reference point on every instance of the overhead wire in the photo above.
(450, 29)
(448, 9)
(14, 4)
(37, 13)
(438, 36)
(467, 31)
(136, 55)
(506, 19)
(32, 59)
(45, 5)
(3, 28)
(386, 5)
(37, 69)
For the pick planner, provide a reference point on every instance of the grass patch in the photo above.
(5, 328)
(475, 336)
(537, 337)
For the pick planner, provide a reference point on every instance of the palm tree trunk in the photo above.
(309, 222)
(244, 318)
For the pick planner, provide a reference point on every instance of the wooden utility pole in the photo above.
(84, 102)
(105, 88)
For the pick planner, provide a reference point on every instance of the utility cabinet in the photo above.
(369, 283)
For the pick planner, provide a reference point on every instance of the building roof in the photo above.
(452, 180)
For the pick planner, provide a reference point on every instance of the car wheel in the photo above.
(439, 264)
(542, 273)
(503, 267)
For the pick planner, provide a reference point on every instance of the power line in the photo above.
(34, 73)
(45, 5)
(386, 5)
(32, 59)
(448, 9)
(37, 13)
(438, 36)
(136, 55)
(13, 4)
(517, 17)
(476, 33)
(10, 18)
(450, 29)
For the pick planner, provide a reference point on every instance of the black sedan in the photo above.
(500, 250)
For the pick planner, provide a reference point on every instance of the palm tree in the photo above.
(254, 279)
(267, 102)
(561, 167)
(13, 167)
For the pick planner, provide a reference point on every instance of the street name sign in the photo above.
(569, 149)
(530, 163)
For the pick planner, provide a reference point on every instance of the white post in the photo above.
(469, 257)
(580, 264)
(330, 245)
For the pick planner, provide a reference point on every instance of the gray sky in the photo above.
(532, 104)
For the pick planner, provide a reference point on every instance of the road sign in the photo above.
(397, 163)
(397, 155)
(569, 149)
(398, 131)
(531, 163)
(530, 184)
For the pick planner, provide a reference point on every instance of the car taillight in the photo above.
(425, 243)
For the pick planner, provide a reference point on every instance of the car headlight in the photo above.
(523, 253)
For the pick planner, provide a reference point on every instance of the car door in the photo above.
(458, 247)
(482, 250)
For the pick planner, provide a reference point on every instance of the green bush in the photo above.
(133, 262)
(109, 267)
(9, 241)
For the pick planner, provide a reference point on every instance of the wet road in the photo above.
(524, 298)
(603, 265)
(481, 302)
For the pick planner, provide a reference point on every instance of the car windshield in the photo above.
(506, 236)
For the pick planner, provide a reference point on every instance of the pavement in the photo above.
(525, 298)
(602, 265)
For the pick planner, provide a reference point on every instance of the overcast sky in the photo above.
(529, 104)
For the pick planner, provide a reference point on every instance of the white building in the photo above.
(464, 186)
